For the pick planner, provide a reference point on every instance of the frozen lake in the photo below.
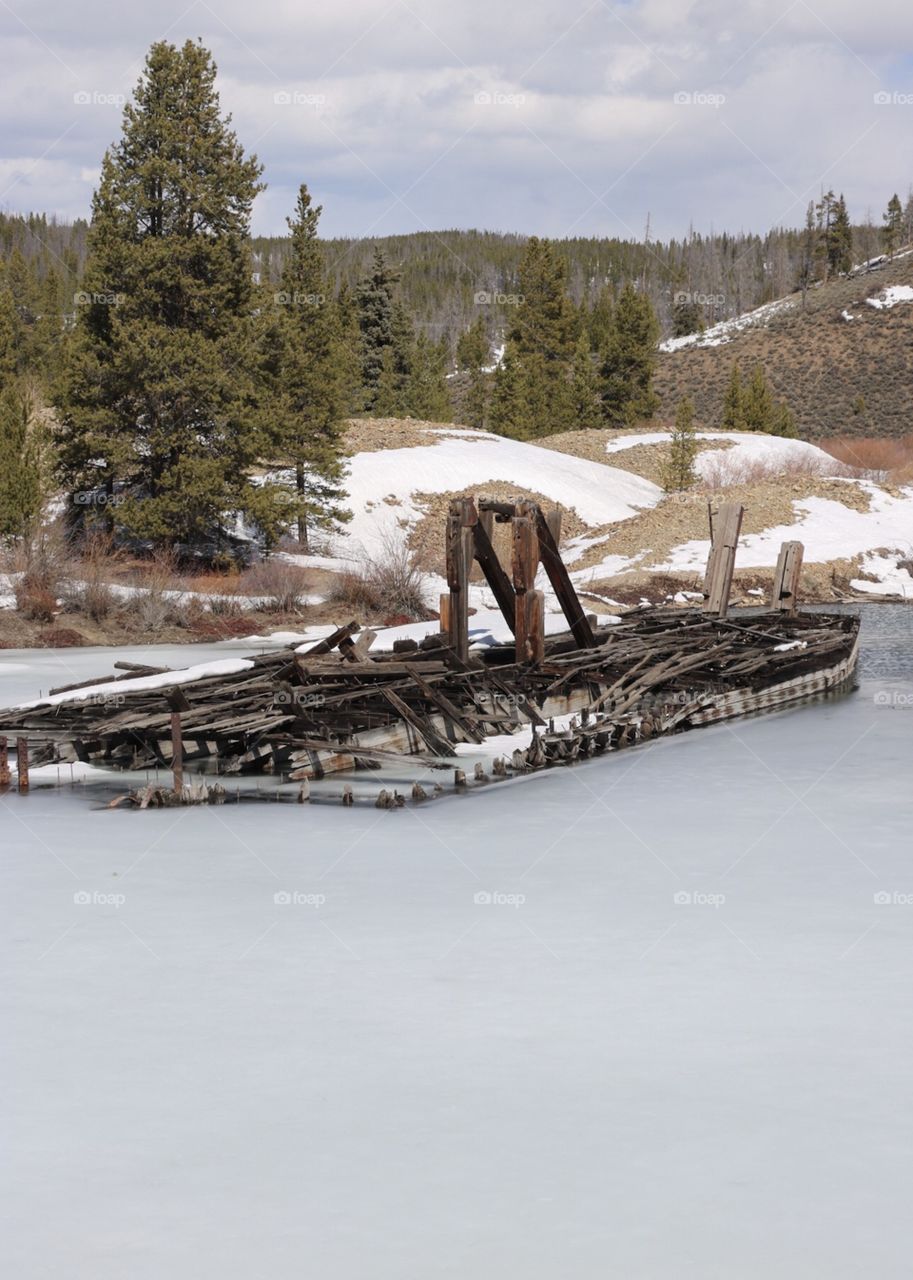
(646, 1017)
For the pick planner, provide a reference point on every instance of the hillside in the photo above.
(843, 362)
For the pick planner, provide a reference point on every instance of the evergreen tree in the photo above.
(629, 360)
(386, 335)
(509, 409)
(599, 320)
(307, 411)
(585, 407)
(757, 402)
(734, 402)
(425, 393)
(542, 336)
(158, 394)
(679, 472)
(687, 316)
(473, 354)
(20, 470)
(893, 224)
(9, 335)
(840, 245)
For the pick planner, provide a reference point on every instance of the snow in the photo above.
(827, 529)
(747, 447)
(723, 332)
(683, 1054)
(891, 296)
(846, 315)
(382, 484)
(164, 680)
(893, 579)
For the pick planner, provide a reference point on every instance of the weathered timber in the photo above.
(786, 577)
(721, 562)
(22, 764)
(4, 764)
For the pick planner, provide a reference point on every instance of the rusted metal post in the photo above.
(4, 764)
(726, 527)
(22, 764)
(784, 596)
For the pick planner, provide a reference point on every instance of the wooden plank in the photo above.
(784, 596)
(530, 626)
(331, 641)
(4, 763)
(721, 561)
(573, 610)
(445, 706)
(438, 744)
(491, 566)
(22, 764)
(177, 752)
(458, 550)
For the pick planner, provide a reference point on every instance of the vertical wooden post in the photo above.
(786, 577)
(529, 631)
(177, 752)
(461, 517)
(553, 520)
(4, 764)
(721, 561)
(22, 764)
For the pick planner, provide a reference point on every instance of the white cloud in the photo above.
(581, 106)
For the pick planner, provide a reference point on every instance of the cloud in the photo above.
(410, 114)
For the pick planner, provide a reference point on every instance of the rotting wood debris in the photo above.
(337, 707)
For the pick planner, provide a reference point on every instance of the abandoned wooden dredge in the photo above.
(301, 714)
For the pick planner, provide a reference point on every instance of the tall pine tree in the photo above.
(158, 397)
(629, 360)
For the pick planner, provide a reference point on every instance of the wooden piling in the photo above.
(529, 627)
(784, 596)
(22, 764)
(460, 519)
(177, 752)
(4, 764)
(721, 561)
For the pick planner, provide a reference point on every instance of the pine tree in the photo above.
(9, 335)
(542, 336)
(840, 245)
(20, 470)
(630, 357)
(585, 406)
(893, 223)
(679, 472)
(385, 337)
(687, 316)
(473, 354)
(509, 409)
(599, 319)
(425, 394)
(734, 402)
(308, 407)
(757, 403)
(158, 397)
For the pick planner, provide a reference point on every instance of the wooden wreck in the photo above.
(300, 714)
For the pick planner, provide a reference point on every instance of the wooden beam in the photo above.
(22, 764)
(437, 744)
(4, 764)
(721, 562)
(529, 625)
(491, 566)
(559, 578)
(784, 596)
(177, 753)
(460, 518)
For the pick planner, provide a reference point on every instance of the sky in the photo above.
(553, 117)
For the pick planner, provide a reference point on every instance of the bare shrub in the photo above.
(88, 589)
(724, 469)
(874, 457)
(392, 583)
(34, 601)
(281, 585)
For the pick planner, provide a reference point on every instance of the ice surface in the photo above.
(646, 1017)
